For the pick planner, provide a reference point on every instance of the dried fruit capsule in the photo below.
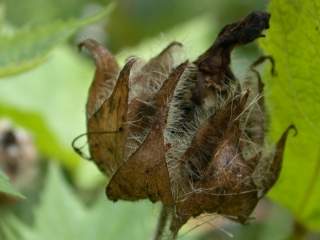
(188, 134)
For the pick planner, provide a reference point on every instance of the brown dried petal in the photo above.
(107, 150)
(145, 174)
(268, 170)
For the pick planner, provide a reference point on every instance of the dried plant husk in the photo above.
(187, 134)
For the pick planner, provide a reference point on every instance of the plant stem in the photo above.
(164, 230)
(162, 222)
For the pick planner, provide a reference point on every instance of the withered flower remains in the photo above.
(187, 134)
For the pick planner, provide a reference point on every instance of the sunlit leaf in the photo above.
(294, 96)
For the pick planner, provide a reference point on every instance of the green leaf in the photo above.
(6, 189)
(29, 47)
(61, 215)
(294, 97)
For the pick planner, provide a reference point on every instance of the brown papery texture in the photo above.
(188, 134)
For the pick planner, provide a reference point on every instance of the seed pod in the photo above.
(188, 134)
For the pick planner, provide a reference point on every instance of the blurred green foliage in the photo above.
(294, 98)
(134, 20)
(61, 215)
(27, 47)
(7, 190)
(47, 101)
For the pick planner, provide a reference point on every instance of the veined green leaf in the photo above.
(61, 215)
(294, 97)
(28, 47)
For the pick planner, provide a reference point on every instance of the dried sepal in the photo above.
(145, 174)
(107, 129)
(268, 169)
(215, 169)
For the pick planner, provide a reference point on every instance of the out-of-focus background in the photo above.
(51, 193)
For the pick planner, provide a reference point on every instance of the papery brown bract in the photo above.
(149, 159)
(188, 134)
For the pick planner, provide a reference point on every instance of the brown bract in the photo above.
(107, 108)
(149, 159)
(188, 134)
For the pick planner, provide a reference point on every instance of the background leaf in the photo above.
(52, 98)
(6, 189)
(46, 140)
(61, 215)
(294, 96)
(28, 47)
